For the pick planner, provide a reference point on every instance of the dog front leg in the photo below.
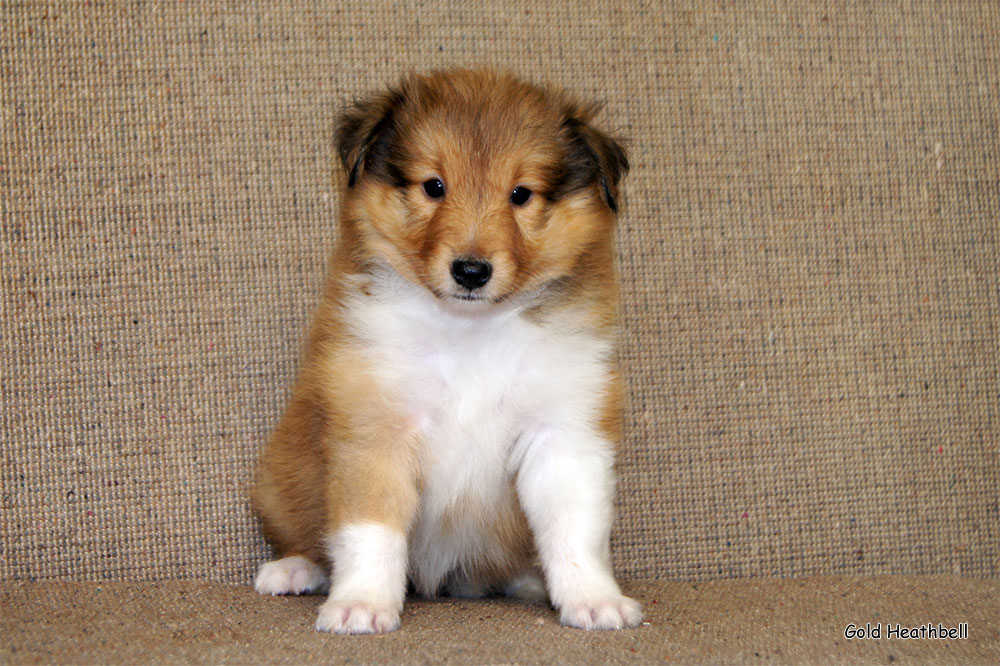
(369, 573)
(566, 486)
(372, 500)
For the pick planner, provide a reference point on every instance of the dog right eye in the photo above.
(434, 188)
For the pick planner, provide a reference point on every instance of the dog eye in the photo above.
(434, 188)
(520, 195)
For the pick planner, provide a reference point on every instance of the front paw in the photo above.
(615, 612)
(356, 617)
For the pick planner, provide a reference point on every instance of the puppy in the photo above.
(458, 405)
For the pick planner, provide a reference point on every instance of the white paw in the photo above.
(528, 586)
(616, 612)
(291, 575)
(356, 617)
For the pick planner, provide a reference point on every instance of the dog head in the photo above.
(477, 185)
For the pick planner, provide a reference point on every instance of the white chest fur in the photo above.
(476, 380)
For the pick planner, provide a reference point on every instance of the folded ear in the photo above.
(365, 132)
(593, 156)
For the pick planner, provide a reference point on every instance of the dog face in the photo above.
(476, 185)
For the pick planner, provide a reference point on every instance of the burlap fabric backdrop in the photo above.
(808, 250)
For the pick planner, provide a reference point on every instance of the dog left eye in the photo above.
(434, 188)
(520, 195)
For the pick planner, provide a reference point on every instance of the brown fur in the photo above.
(343, 451)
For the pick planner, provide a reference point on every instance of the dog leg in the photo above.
(566, 487)
(372, 499)
(369, 572)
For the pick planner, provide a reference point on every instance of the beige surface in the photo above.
(754, 621)
(809, 255)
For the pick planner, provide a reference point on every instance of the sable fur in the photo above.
(351, 448)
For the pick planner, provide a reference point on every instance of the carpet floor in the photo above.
(749, 620)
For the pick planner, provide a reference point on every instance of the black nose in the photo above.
(471, 273)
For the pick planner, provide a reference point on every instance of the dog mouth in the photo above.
(469, 297)
(464, 296)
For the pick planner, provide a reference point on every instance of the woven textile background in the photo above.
(808, 247)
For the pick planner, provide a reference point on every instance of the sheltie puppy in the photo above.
(458, 406)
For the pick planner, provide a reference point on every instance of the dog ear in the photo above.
(365, 132)
(592, 156)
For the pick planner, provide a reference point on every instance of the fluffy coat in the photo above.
(458, 406)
